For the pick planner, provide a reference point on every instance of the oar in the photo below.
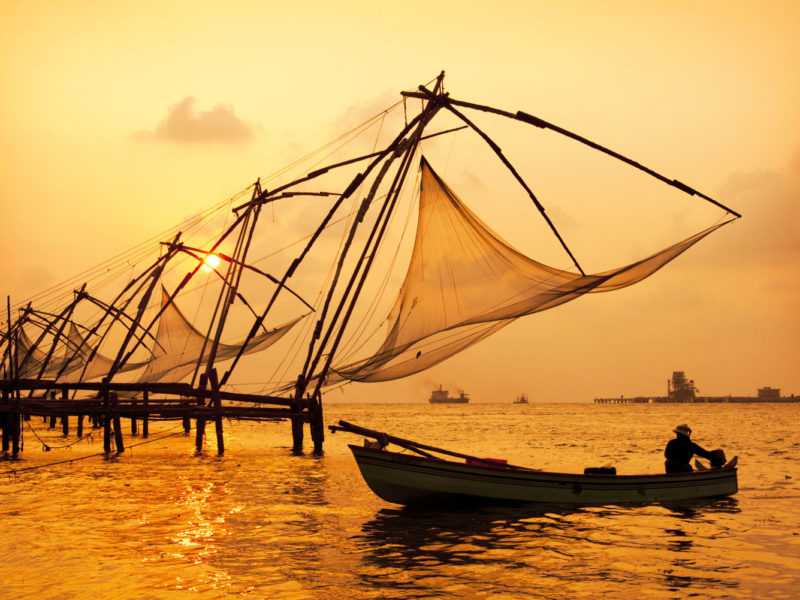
(410, 445)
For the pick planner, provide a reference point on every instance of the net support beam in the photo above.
(542, 124)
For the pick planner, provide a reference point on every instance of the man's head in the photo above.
(683, 430)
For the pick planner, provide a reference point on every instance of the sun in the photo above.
(210, 262)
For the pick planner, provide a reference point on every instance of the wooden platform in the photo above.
(106, 404)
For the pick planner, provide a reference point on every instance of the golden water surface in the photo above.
(160, 522)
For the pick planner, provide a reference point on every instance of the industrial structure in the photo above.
(682, 390)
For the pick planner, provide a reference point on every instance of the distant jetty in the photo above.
(682, 390)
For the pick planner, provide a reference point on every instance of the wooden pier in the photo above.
(623, 400)
(699, 400)
(107, 404)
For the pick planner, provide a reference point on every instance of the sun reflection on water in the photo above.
(260, 523)
(200, 534)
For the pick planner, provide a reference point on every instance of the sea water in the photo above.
(160, 522)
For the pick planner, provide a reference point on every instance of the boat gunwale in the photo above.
(530, 475)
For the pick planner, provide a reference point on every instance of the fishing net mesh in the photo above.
(465, 283)
(176, 350)
(179, 346)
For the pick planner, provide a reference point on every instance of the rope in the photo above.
(120, 261)
(357, 339)
(71, 460)
(47, 447)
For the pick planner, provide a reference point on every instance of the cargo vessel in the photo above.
(441, 396)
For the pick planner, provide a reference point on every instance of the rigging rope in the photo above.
(354, 343)
(14, 472)
(106, 273)
(110, 268)
(47, 447)
(123, 260)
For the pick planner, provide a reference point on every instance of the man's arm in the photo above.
(706, 454)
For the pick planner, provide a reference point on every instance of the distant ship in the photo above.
(440, 397)
(523, 399)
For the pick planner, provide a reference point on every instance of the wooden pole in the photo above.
(215, 397)
(406, 148)
(519, 178)
(231, 281)
(351, 188)
(317, 426)
(134, 431)
(200, 432)
(146, 417)
(385, 438)
(201, 421)
(15, 429)
(65, 316)
(122, 358)
(116, 315)
(106, 418)
(5, 422)
(542, 124)
(297, 433)
(376, 234)
(117, 424)
(296, 418)
(314, 352)
(10, 343)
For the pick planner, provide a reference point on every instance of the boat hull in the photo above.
(450, 401)
(412, 480)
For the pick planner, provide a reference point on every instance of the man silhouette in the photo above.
(679, 452)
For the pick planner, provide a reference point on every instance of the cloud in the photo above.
(768, 234)
(356, 114)
(381, 131)
(184, 124)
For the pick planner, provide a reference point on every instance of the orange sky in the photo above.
(120, 120)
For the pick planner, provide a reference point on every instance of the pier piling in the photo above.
(217, 403)
(200, 432)
(5, 423)
(146, 417)
(106, 418)
(117, 424)
(317, 427)
(15, 430)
